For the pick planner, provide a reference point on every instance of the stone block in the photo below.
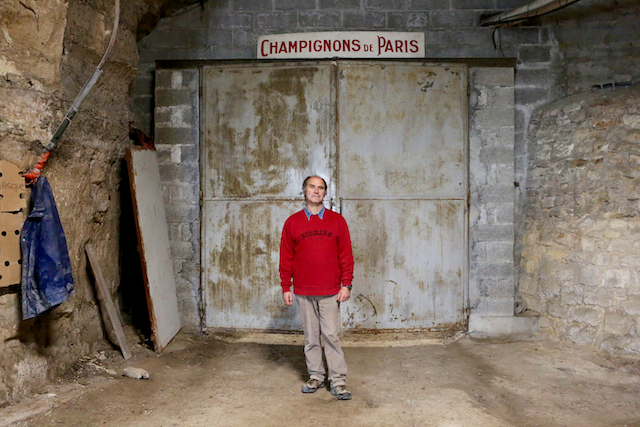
(319, 19)
(581, 333)
(618, 324)
(172, 173)
(182, 212)
(186, 193)
(556, 309)
(494, 116)
(520, 36)
(632, 305)
(364, 20)
(496, 270)
(618, 278)
(591, 315)
(182, 250)
(242, 38)
(590, 275)
(504, 214)
(497, 194)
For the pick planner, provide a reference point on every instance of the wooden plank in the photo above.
(153, 245)
(103, 296)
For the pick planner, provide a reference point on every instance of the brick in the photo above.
(295, 4)
(364, 20)
(339, 4)
(319, 19)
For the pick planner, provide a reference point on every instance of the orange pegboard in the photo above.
(10, 228)
(13, 203)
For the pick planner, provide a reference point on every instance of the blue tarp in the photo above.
(46, 267)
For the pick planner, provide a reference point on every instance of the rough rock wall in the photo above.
(581, 252)
(47, 51)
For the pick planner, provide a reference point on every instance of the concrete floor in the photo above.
(396, 380)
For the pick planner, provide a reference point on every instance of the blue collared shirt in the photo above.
(308, 214)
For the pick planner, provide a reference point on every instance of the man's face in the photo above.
(314, 191)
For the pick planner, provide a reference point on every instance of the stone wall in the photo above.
(47, 51)
(580, 257)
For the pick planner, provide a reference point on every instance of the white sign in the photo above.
(341, 44)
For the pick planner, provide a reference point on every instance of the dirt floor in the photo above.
(395, 380)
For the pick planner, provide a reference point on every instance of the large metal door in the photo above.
(266, 127)
(391, 140)
(402, 187)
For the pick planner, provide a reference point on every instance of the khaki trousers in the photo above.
(320, 318)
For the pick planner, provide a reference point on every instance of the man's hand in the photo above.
(344, 294)
(287, 297)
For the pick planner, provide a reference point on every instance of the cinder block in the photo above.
(319, 19)
(339, 4)
(251, 5)
(384, 4)
(495, 307)
(276, 20)
(403, 20)
(492, 76)
(230, 20)
(173, 97)
(449, 19)
(428, 4)
(164, 135)
(295, 4)
(497, 155)
(471, 4)
(536, 96)
(218, 37)
(364, 20)
(492, 233)
(163, 79)
(497, 326)
(532, 54)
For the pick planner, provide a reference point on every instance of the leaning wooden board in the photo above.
(153, 245)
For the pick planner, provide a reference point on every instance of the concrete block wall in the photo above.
(229, 29)
(177, 136)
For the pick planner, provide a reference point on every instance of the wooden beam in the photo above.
(103, 296)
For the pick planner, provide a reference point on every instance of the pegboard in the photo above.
(13, 204)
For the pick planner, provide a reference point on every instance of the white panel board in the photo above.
(153, 241)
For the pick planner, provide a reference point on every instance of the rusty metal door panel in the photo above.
(408, 269)
(241, 279)
(402, 130)
(265, 128)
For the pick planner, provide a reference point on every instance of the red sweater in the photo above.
(316, 253)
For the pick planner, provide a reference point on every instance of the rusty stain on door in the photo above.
(391, 141)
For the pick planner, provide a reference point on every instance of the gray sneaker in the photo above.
(341, 392)
(311, 386)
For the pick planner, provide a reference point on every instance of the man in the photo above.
(315, 251)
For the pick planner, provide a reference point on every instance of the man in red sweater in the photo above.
(315, 251)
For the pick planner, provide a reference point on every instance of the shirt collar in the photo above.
(308, 214)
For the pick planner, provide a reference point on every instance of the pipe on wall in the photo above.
(535, 8)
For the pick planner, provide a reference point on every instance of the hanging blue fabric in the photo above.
(46, 267)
